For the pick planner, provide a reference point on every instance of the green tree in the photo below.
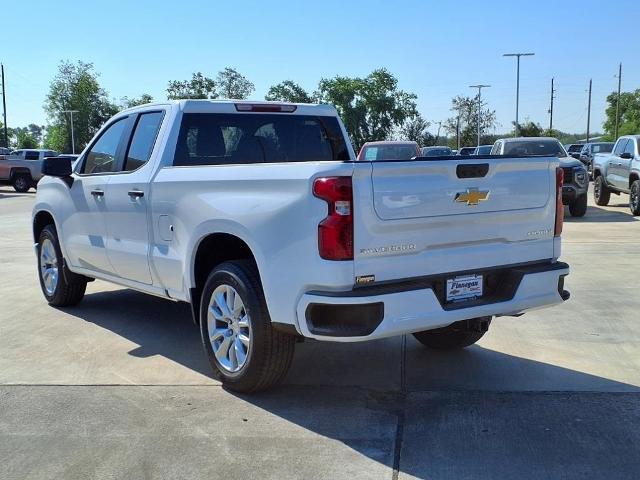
(76, 87)
(371, 107)
(465, 111)
(530, 129)
(143, 99)
(288, 91)
(415, 129)
(629, 114)
(231, 84)
(199, 87)
(24, 139)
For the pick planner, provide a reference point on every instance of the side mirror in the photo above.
(56, 167)
(576, 155)
(626, 155)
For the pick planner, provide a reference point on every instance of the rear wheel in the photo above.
(245, 352)
(60, 286)
(579, 206)
(634, 198)
(21, 182)
(455, 336)
(601, 192)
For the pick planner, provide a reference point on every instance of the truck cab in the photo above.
(619, 172)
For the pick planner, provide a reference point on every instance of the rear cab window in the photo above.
(237, 138)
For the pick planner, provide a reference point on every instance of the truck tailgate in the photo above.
(426, 217)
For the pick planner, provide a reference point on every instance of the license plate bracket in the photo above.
(464, 287)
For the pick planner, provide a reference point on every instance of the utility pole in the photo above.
(438, 134)
(458, 133)
(479, 87)
(4, 109)
(553, 91)
(73, 143)
(517, 55)
(615, 135)
(589, 111)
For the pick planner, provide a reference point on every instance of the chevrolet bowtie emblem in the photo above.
(472, 196)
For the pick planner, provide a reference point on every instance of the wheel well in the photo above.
(596, 173)
(212, 251)
(41, 220)
(632, 178)
(19, 170)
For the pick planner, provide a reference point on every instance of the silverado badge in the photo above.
(472, 196)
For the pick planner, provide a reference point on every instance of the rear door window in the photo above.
(231, 139)
(31, 155)
(143, 140)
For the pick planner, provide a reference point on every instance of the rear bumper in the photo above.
(382, 311)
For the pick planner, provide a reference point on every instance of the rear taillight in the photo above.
(335, 232)
(559, 206)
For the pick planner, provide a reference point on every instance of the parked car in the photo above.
(574, 149)
(576, 178)
(260, 217)
(389, 150)
(4, 152)
(436, 151)
(618, 172)
(22, 168)
(483, 150)
(590, 149)
(466, 151)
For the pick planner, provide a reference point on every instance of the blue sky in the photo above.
(435, 49)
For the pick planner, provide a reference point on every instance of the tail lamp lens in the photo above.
(335, 231)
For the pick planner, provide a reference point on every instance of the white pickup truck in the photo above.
(260, 216)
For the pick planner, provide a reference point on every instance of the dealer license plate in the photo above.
(462, 288)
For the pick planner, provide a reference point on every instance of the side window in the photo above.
(102, 156)
(620, 146)
(143, 140)
(495, 150)
(371, 154)
(630, 148)
(31, 155)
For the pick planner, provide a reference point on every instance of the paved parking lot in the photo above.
(118, 387)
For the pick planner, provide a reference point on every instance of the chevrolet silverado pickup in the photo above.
(618, 172)
(259, 216)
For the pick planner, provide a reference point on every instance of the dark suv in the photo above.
(589, 150)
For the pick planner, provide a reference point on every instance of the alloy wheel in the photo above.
(48, 266)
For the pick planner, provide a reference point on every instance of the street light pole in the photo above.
(73, 143)
(4, 110)
(615, 135)
(517, 55)
(479, 87)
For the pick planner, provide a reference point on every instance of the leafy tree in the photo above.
(371, 107)
(24, 139)
(415, 129)
(199, 87)
(530, 129)
(466, 110)
(288, 91)
(76, 87)
(232, 84)
(143, 99)
(629, 114)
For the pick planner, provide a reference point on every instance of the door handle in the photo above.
(136, 193)
(97, 193)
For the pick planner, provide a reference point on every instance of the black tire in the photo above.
(455, 336)
(70, 287)
(634, 198)
(270, 353)
(601, 193)
(579, 206)
(21, 182)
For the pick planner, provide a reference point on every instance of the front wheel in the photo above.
(634, 198)
(601, 193)
(455, 336)
(579, 206)
(21, 183)
(60, 286)
(246, 353)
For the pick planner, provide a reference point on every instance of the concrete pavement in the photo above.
(118, 387)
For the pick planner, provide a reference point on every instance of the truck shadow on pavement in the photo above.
(602, 215)
(476, 413)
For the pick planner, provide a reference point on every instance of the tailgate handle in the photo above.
(473, 170)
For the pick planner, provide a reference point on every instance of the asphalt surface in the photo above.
(118, 387)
